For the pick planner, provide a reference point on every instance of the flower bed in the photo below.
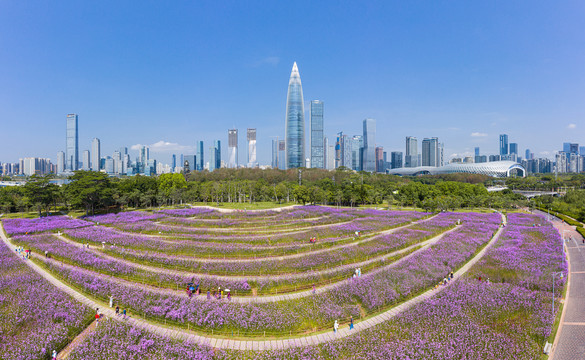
(367, 294)
(50, 223)
(35, 317)
(115, 340)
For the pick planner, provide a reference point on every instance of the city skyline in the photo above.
(169, 98)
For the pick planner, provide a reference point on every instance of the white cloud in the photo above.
(478, 134)
(163, 146)
(572, 126)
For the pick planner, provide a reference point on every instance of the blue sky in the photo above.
(172, 73)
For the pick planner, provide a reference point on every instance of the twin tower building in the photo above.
(293, 148)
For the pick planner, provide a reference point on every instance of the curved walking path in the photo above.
(288, 275)
(267, 298)
(259, 345)
(202, 259)
(570, 339)
(64, 354)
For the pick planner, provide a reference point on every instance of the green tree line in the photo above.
(96, 192)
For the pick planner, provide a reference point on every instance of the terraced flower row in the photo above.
(471, 319)
(366, 295)
(367, 249)
(35, 317)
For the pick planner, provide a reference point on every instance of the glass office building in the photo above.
(317, 139)
(295, 121)
(369, 152)
(72, 149)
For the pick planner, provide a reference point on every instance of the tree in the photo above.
(41, 192)
(90, 190)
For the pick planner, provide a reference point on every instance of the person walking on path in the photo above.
(314, 289)
(335, 326)
(124, 314)
(97, 319)
(54, 355)
(351, 322)
(208, 294)
(117, 310)
(111, 301)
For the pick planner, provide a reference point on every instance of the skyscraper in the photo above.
(411, 154)
(282, 154)
(233, 148)
(72, 149)
(275, 153)
(295, 121)
(95, 152)
(513, 148)
(369, 152)
(60, 162)
(357, 144)
(430, 152)
(85, 160)
(317, 139)
(217, 145)
(396, 159)
(503, 145)
(380, 166)
(251, 136)
(200, 158)
(174, 163)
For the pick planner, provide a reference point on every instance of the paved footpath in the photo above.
(259, 345)
(569, 343)
(64, 354)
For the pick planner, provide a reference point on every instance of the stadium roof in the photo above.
(494, 168)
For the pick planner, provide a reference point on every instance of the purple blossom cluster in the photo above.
(113, 339)
(50, 223)
(35, 317)
(378, 290)
(198, 211)
(124, 217)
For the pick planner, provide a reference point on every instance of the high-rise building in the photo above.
(215, 155)
(282, 154)
(411, 154)
(72, 149)
(396, 159)
(85, 159)
(274, 153)
(504, 150)
(190, 162)
(200, 156)
(380, 166)
(217, 145)
(174, 162)
(357, 145)
(369, 149)
(527, 155)
(317, 138)
(95, 152)
(60, 162)
(430, 152)
(233, 148)
(251, 136)
(330, 156)
(477, 156)
(295, 121)
(582, 150)
(513, 148)
(35, 166)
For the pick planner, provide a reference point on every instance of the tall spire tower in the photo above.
(295, 121)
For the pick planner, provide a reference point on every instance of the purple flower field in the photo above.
(35, 317)
(507, 317)
(51, 223)
(115, 340)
